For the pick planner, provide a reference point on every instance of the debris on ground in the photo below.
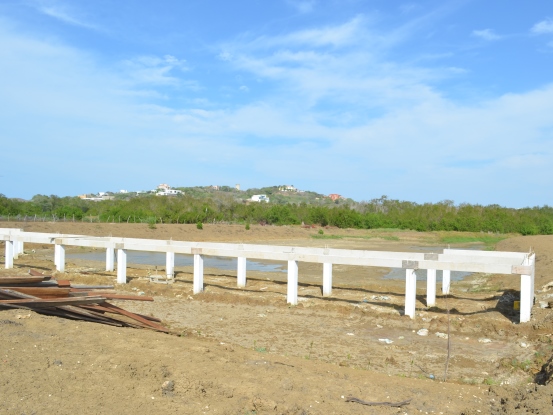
(41, 293)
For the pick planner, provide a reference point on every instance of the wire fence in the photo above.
(150, 220)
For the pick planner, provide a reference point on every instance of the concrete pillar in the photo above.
(410, 292)
(292, 288)
(198, 273)
(170, 264)
(110, 259)
(430, 287)
(56, 255)
(446, 281)
(9, 255)
(327, 279)
(241, 272)
(15, 247)
(59, 253)
(121, 266)
(21, 246)
(527, 291)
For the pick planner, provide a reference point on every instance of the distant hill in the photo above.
(275, 195)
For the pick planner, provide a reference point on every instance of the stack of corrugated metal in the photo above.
(41, 293)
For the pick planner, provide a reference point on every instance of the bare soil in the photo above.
(245, 351)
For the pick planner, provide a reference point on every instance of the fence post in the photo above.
(9, 254)
(527, 291)
(241, 272)
(327, 279)
(110, 258)
(198, 270)
(446, 281)
(292, 287)
(121, 264)
(430, 287)
(170, 264)
(59, 253)
(15, 247)
(410, 292)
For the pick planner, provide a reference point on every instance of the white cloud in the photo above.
(155, 70)
(63, 13)
(303, 6)
(486, 34)
(382, 125)
(331, 35)
(543, 27)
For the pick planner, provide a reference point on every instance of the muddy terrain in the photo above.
(245, 351)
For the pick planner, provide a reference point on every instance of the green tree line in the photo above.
(376, 213)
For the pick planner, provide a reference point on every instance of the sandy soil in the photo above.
(245, 351)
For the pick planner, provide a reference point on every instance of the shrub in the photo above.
(199, 225)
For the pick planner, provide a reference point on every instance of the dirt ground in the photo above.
(245, 351)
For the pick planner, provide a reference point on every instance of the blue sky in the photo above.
(421, 101)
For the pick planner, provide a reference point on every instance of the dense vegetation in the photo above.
(377, 213)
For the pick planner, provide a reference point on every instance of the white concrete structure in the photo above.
(509, 263)
(260, 198)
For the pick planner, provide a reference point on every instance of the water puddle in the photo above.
(230, 264)
(399, 273)
(158, 259)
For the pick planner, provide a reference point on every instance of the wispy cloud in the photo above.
(303, 6)
(333, 96)
(543, 27)
(486, 34)
(155, 70)
(63, 13)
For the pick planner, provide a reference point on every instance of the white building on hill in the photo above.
(260, 198)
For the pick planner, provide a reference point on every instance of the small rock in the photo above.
(423, 332)
(350, 334)
(57, 362)
(441, 335)
(387, 341)
(524, 345)
(168, 388)
(483, 340)
(141, 293)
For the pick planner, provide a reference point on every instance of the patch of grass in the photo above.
(490, 381)
(488, 240)
(327, 237)
(259, 349)
(389, 238)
